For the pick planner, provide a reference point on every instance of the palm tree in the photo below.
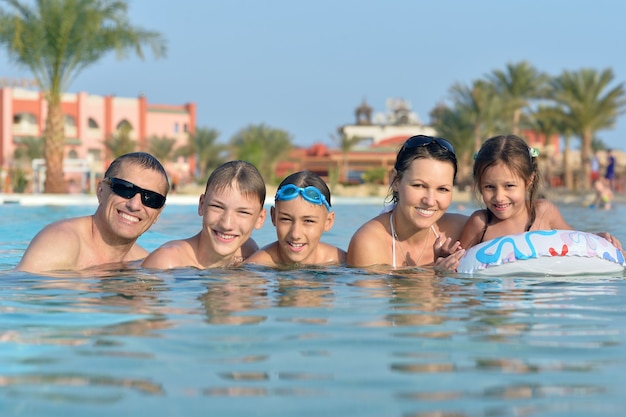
(161, 147)
(455, 125)
(202, 145)
(517, 85)
(568, 174)
(56, 40)
(598, 144)
(30, 148)
(481, 105)
(262, 146)
(590, 105)
(548, 122)
(120, 143)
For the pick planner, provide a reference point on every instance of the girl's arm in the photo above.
(549, 211)
(614, 241)
(473, 229)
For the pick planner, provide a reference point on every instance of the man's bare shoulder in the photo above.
(75, 226)
(63, 239)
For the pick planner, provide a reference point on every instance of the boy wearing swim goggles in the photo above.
(301, 214)
(130, 199)
(231, 208)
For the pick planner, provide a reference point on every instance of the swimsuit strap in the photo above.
(393, 240)
(489, 217)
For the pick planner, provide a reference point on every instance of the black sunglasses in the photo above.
(421, 140)
(128, 190)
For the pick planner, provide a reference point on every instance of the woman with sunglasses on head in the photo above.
(130, 199)
(301, 214)
(415, 230)
(231, 208)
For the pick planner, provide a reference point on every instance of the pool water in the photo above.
(319, 342)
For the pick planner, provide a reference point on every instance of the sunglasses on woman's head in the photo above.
(420, 140)
(128, 190)
(310, 194)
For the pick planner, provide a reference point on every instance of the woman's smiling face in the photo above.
(425, 191)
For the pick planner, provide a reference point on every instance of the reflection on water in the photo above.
(336, 341)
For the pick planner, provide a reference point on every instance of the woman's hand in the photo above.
(447, 254)
(443, 247)
(449, 263)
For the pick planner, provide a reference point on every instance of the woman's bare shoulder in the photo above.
(371, 228)
(368, 246)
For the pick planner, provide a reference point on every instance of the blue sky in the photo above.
(304, 66)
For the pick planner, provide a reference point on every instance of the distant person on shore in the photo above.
(415, 229)
(506, 175)
(231, 208)
(595, 167)
(301, 214)
(610, 169)
(131, 196)
(604, 194)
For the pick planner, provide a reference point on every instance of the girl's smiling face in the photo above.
(299, 228)
(503, 192)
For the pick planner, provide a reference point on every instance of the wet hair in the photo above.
(141, 159)
(427, 147)
(514, 152)
(305, 179)
(241, 174)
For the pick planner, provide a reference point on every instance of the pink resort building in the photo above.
(90, 120)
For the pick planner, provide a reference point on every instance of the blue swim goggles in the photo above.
(310, 194)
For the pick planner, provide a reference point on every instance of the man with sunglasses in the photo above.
(131, 197)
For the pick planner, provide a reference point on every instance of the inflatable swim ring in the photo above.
(544, 252)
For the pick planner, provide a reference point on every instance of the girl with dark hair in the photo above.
(506, 177)
(301, 214)
(415, 230)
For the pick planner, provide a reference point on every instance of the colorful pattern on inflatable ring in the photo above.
(544, 252)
